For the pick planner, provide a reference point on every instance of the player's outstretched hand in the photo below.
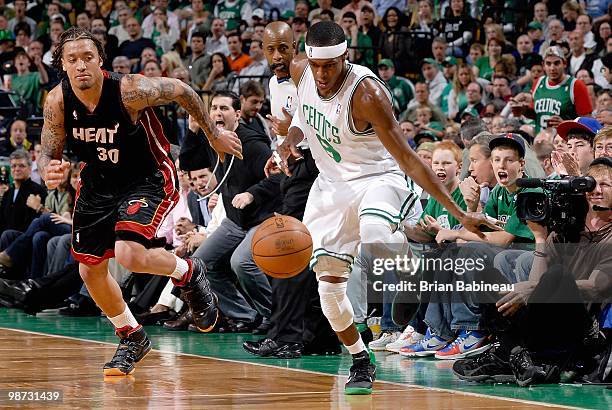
(54, 173)
(472, 221)
(227, 142)
(287, 150)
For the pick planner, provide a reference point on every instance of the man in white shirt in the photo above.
(579, 59)
(258, 67)
(217, 42)
(435, 80)
(148, 24)
(119, 30)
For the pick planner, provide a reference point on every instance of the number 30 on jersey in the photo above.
(111, 155)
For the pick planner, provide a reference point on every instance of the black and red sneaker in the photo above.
(133, 347)
(201, 300)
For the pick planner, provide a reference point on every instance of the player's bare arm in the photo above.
(139, 92)
(53, 138)
(371, 105)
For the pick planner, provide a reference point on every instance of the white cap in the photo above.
(258, 13)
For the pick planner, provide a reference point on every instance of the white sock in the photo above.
(182, 267)
(358, 347)
(124, 319)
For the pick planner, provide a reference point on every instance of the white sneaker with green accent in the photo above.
(384, 339)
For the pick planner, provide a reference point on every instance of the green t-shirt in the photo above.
(502, 206)
(27, 86)
(553, 100)
(230, 13)
(437, 211)
(402, 92)
(484, 68)
(364, 46)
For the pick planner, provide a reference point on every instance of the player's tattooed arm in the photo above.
(139, 92)
(53, 135)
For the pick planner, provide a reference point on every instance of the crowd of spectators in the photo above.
(460, 72)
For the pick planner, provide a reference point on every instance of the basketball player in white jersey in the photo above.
(361, 194)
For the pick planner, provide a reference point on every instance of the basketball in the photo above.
(282, 247)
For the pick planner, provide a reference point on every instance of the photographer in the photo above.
(532, 320)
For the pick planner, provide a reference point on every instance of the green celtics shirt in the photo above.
(437, 211)
(502, 206)
(549, 100)
(402, 91)
(230, 12)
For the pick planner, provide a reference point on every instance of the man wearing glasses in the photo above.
(15, 215)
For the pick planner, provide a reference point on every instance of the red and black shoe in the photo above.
(201, 300)
(133, 347)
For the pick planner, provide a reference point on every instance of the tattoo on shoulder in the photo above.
(148, 91)
(166, 90)
(48, 114)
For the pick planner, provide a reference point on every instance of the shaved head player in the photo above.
(360, 195)
(128, 184)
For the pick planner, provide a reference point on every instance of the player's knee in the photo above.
(130, 256)
(335, 305)
(374, 229)
(89, 272)
(331, 266)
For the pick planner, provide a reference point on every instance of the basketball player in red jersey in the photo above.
(128, 184)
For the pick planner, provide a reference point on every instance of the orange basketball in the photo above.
(282, 246)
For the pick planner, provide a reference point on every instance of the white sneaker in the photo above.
(384, 339)
(408, 337)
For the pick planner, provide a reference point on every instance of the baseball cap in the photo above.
(425, 134)
(429, 60)
(386, 62)
(554, 51)
(450, 60)
(607, 161)
(259, 13)
(510, 138)
(534, 25)
(587, 124)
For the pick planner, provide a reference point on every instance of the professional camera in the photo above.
(561, 207)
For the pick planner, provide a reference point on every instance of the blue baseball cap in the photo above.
(510, 138)
(587, 124)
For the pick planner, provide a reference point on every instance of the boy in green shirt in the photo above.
(26, 84)
(507, 159)
(448, 319)
(446, 163)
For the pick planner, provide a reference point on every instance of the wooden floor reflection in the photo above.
(169, 380)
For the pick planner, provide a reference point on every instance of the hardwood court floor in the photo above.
(171, 378)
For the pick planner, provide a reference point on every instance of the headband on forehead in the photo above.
(324, 53)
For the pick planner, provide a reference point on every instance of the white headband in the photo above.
(324, 53)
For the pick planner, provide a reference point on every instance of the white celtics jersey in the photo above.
(283, 94)
(340, 152)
